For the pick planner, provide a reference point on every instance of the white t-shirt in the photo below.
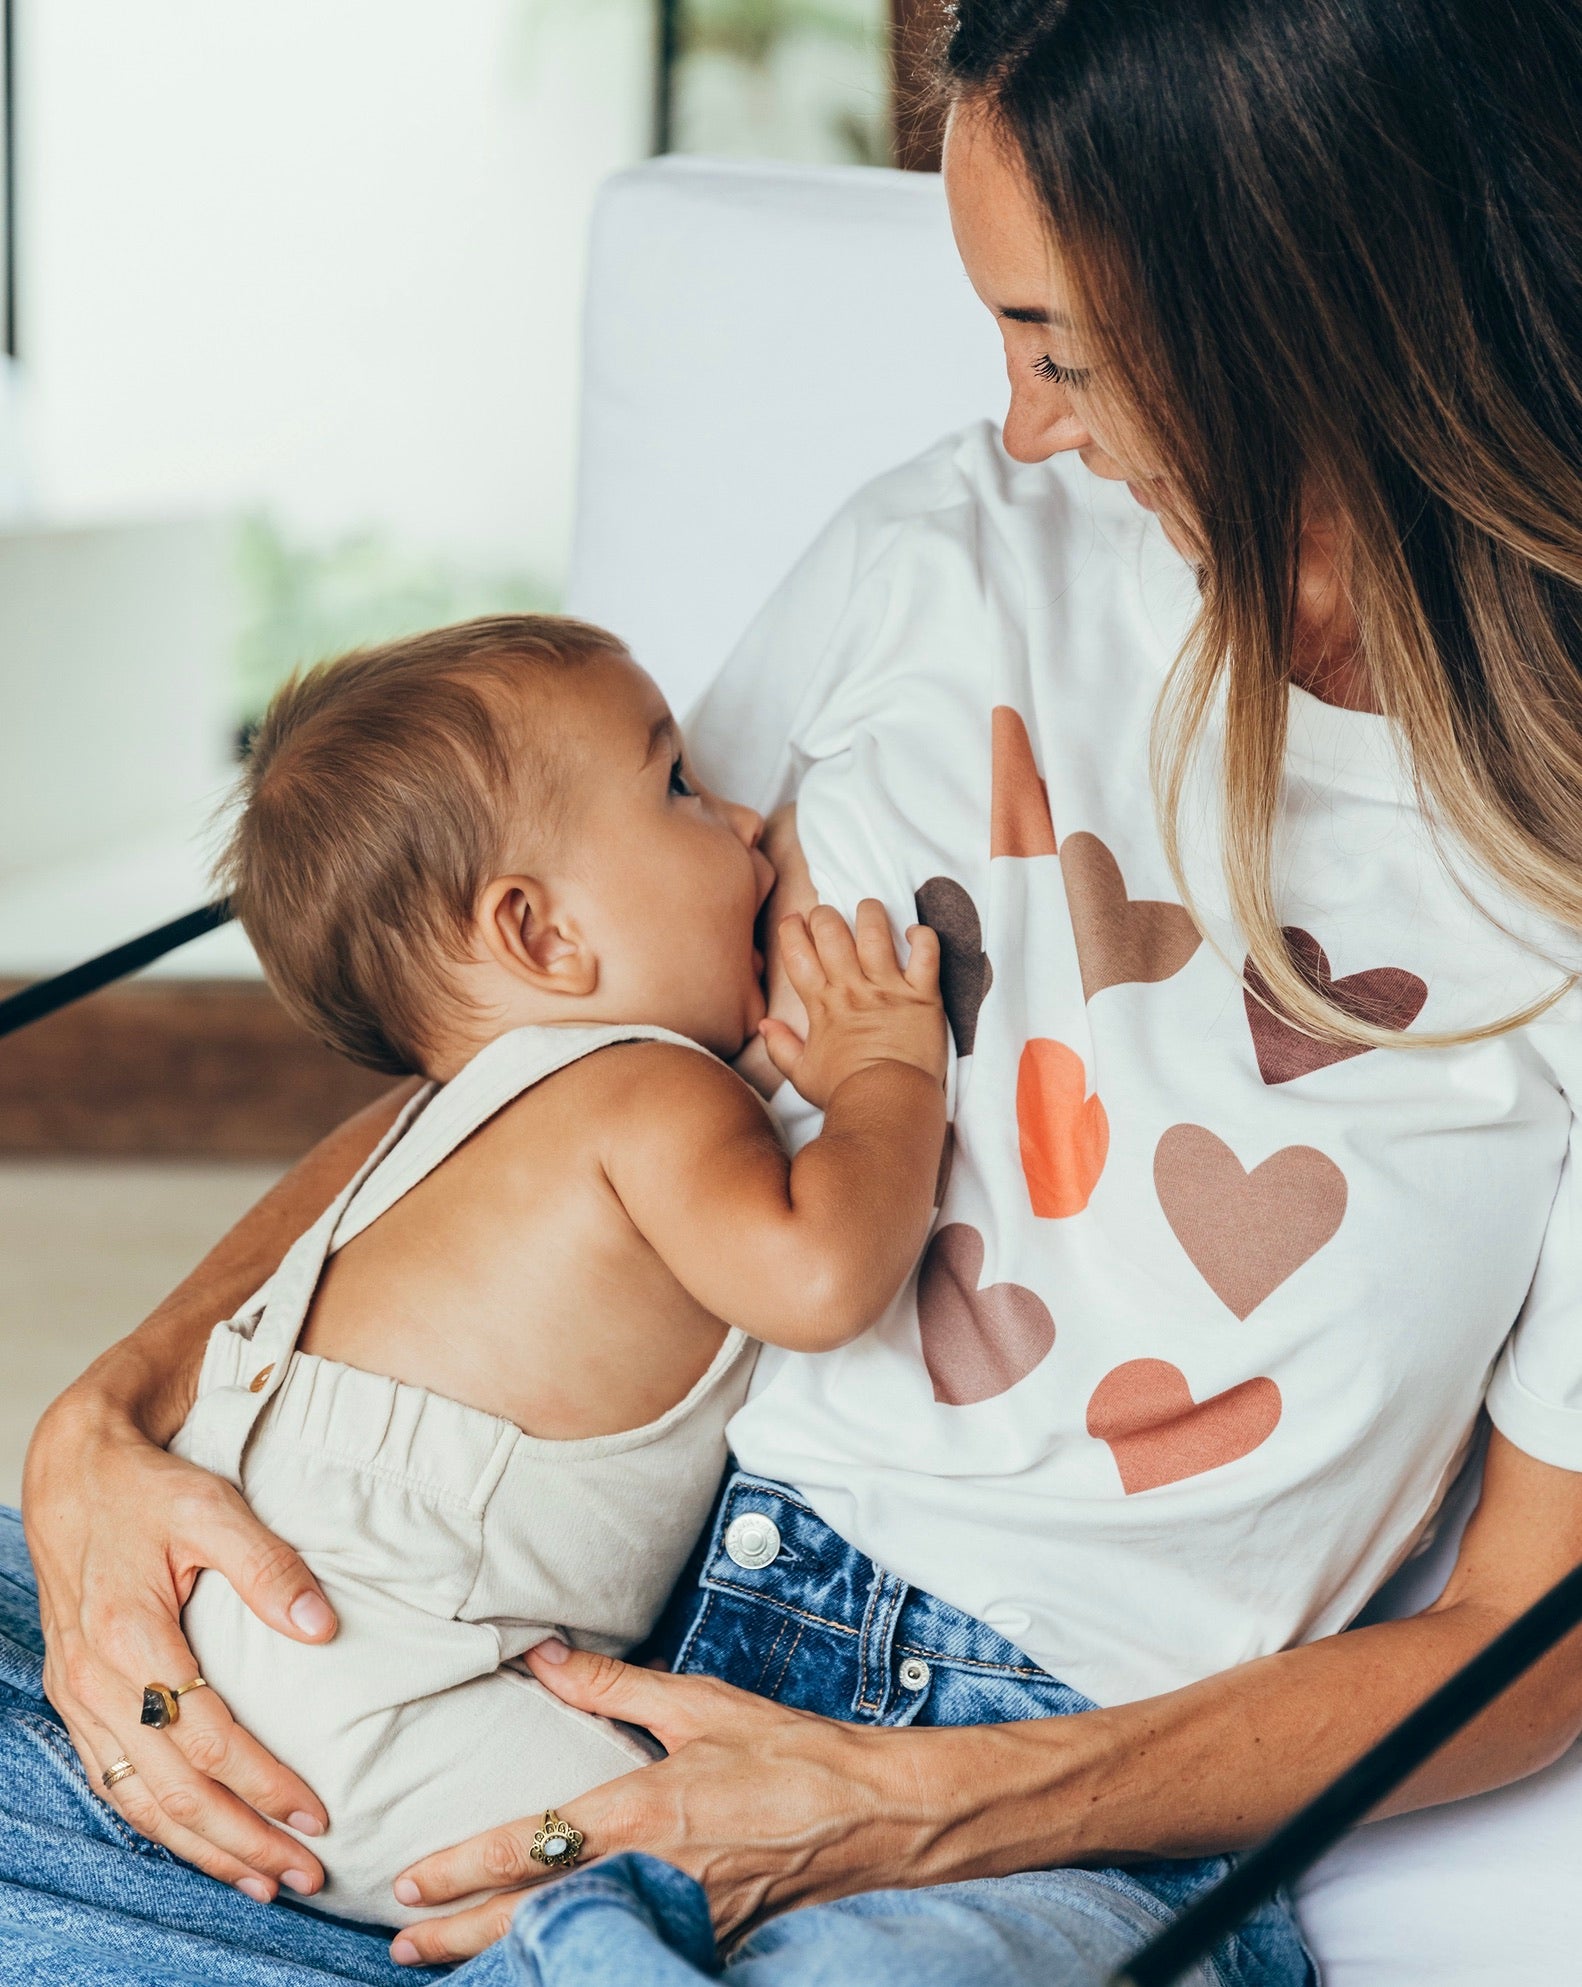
(1210, 1308)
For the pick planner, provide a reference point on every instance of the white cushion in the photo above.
(760, 340)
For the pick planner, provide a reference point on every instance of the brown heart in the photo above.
(976, 1343)
(965, 974)
(1120, 939)
(1246, 1232)
(1158, 1434)
(1019, 819)
(1388, 996)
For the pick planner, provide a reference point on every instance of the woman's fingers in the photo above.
(271, 1578)
(437, 1940)
(242, 1851)
(922, 965)
(499, 1858)
(205, 1738)
(675, 1709)
(876, 943)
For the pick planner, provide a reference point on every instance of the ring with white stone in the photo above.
(557, 1845)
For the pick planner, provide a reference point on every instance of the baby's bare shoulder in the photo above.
(653, 1078)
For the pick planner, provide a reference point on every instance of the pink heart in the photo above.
(976, 1343)
(1246, 1232)
(1158, 1434)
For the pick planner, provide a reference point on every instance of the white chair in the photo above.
(759, 341)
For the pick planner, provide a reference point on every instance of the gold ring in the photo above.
(159, 1702)
(557, 1845)
(116, 1771)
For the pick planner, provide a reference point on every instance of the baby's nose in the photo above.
(747, 822)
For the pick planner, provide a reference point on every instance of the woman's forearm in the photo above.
(1217, 1766)
(150, 1376)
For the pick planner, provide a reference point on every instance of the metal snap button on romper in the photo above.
(914, 1673)
(753, 1540)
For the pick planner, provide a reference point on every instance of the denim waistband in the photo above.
(769, 1546)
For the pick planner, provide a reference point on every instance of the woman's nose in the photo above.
(1038, 426)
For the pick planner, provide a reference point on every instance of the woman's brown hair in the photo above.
(1334, 247)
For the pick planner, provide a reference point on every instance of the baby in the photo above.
(485, 1396)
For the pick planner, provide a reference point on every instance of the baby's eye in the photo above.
(680, 785)
(1046, 368)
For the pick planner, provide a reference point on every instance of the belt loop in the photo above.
(885, 1596)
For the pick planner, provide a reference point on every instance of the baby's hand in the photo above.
(862, 1008)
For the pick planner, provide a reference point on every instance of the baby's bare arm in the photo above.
(805, 1253)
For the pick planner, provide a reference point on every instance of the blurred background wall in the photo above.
(291, 297)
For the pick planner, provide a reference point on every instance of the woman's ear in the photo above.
(526, 934)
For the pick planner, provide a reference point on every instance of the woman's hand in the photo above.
(119, 1530)
(764, 1806)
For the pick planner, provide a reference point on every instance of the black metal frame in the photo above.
(666, 55)
(8, 174)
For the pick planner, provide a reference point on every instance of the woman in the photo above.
(1262, 1131)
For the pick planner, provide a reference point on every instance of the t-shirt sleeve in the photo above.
(1535, 1396)
(746, 730)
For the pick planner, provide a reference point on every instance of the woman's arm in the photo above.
(1213, 1767)
(119, 1530)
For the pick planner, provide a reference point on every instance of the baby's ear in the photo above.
(531, 938)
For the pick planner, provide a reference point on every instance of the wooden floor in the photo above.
(87, 1248)
(173, 1069)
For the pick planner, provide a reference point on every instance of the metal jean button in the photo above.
(753, 1540)
(914, 1673)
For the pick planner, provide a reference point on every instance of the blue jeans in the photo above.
(86, 1903)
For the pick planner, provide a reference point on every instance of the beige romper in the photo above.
(447, 1541)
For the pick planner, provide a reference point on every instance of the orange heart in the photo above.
(1019, 819)
(1158, 1434)
(1064, 1133)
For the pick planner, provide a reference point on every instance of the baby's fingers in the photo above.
(922, 966)
(837, 950)
(876, 944)
(798, 954)
(784, 1045)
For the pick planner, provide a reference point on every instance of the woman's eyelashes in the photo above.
(680, 785)
(1046, 368)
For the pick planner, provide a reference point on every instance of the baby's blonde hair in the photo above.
(375, 802)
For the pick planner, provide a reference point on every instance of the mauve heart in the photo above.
(1119, 939)
(1246, 1232)
(1019, 818)
(1064, 1134)
(976, 1343)
(1158, 1434)
(965, 974)
(1388, 996)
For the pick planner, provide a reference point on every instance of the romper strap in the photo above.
(498, 1074)
(247, 1357)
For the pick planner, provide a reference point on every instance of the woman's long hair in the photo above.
(1336, 246)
